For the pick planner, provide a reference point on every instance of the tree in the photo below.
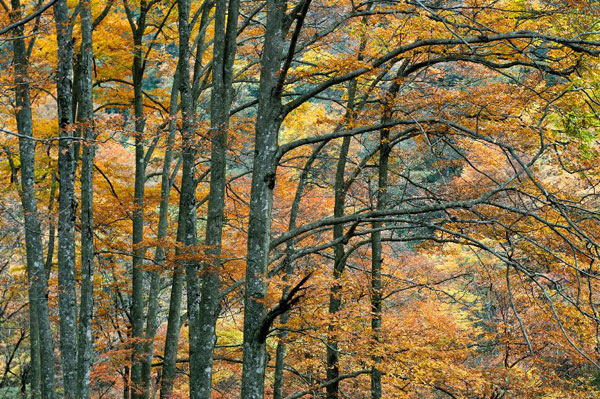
(366, 198)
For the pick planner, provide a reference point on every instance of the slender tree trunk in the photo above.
(174, 318)
(376, 260)
(67, 204)
(186, 226)
(137, 272)
(186, 206)
(289, 271)
(86, 120)
(42, 347)
(160, 255)
(335, 303)
(340, 188)
(224, 49)
(126, 390)
(197, 80)
(51, 229)
(187, 211)
(376, 252)
(268, 122)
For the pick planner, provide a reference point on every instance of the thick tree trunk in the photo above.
(67, 204)
(224, 49)
(86, 120)
(42, 347)
(268, 122)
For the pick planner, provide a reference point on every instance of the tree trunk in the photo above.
(224, 49)
(187, 213)
(268, 122)
(67, 204)
(186, 226)
(86, 120)
(126, 391)
(137, 273)
(376, 259)
(174, 318)
(376, 252)
(160, 255)
(289, 271)
(335, 303)
(42, 347)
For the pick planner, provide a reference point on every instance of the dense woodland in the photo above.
(299, 198)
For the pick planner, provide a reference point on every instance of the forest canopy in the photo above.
(305, 198)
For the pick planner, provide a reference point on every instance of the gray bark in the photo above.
(335, 303)
(187, 214)
(224, 49)
(137, 273)
(268, 122)
(186, 234)
(160, 255)
(385, 148)
(51, 229)
(67, 300)
(86, 120)
(42, 347)
(197, 80)
(173, 326)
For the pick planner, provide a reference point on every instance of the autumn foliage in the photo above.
(483, 113)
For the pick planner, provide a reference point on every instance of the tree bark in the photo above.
(268, 122)
(160, 255)
(186, 234)
(137, 273)
(85, 116)
(376, 251)
(224, 49)
(42, 346)
(335, 303)
(67, 205)
(174, 318)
